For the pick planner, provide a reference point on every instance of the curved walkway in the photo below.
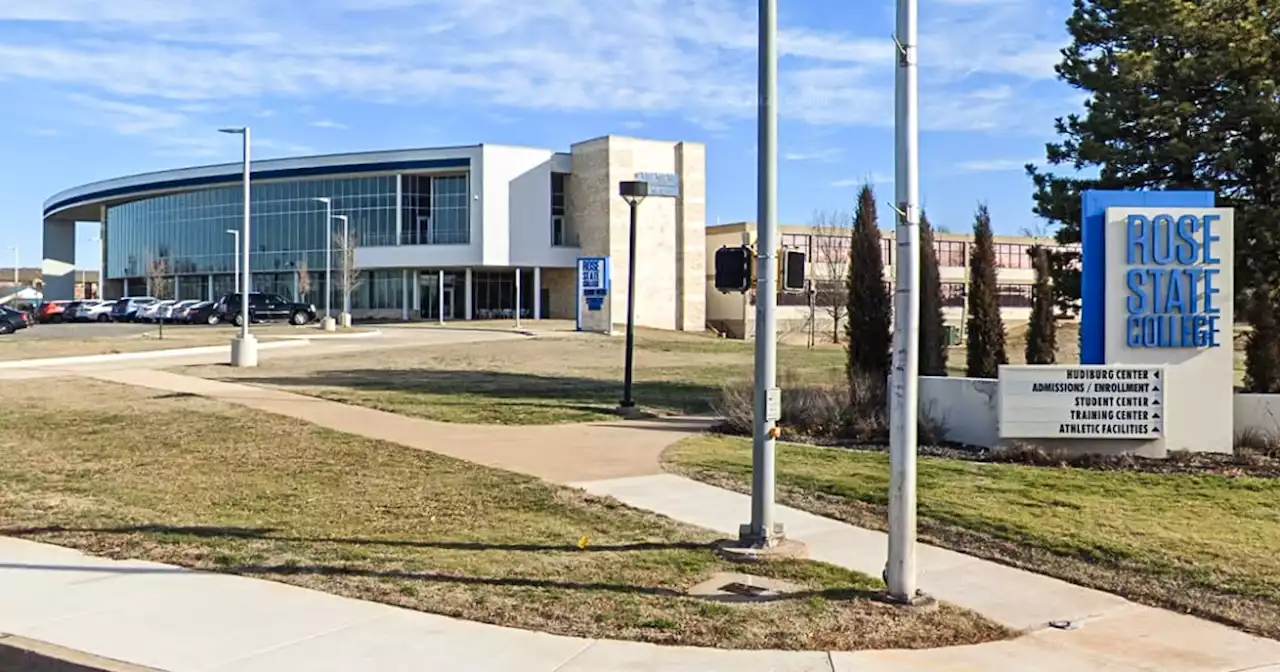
(176, 619)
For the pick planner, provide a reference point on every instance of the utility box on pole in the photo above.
(791, 271)
(734, 266)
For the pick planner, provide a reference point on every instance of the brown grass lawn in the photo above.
(27, 345)
(1203, 544)
(536, 381)
(274, 498)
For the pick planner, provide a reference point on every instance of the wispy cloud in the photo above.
(992, 165)
(825, 155)
(691, 58)
(870, 178)
(328, 123)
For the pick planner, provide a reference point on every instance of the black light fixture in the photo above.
(633, 192)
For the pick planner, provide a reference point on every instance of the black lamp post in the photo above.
(633, 193)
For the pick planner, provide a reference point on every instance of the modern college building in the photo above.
(455, 229)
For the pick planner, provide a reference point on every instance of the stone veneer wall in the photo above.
(671, 238)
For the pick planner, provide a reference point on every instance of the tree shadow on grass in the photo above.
(590, 395)
(349, 570)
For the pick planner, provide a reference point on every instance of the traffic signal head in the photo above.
(791, 271)
(734, 269)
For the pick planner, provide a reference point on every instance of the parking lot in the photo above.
(95, 330)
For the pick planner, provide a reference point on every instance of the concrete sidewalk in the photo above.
(557, 453)
(1111, 633)
(179, 620)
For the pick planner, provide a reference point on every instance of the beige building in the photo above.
(828, 254)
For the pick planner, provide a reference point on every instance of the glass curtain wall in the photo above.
(436, 210)
(190, 229)
(493, 294)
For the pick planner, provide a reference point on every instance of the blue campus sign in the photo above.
(1173, 280)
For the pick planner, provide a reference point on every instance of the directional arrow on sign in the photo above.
(1155, 389)
(1155, 415)
(1156, 373)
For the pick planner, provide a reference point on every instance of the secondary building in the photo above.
(473, 232)
(827, 251)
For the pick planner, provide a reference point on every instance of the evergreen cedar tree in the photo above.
(1181, 95)
(985, 352)
(1042, 337)
(1262, 349)
(868, 328)
(933, 329)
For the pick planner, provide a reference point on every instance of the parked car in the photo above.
(78, 311)
(100, 312)
(265, 308)
(126, 309)
(184, 313)
(51, 311)
(152, 312)
(12, 320)
(206, 313)
(172, 312)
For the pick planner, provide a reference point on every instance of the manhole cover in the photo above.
(734, 587)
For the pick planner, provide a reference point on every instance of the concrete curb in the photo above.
(335, 337)
(19, 654)
(148, 354)
(489, 330)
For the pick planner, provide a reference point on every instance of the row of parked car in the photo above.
(262, 308)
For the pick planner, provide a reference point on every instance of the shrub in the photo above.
(985, 350)
(1042, 337)
(870, 311)
(825, 412)
(933, 326)
(1262, 348)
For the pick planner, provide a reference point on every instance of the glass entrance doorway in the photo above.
(432, 294)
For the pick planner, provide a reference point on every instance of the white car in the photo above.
(94, 311)
(151, 312)
(173, 312)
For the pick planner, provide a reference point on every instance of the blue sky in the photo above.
(94, 89)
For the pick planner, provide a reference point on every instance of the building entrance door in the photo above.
(432, 294)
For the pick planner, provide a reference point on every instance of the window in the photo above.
(952, 294)
(951, 253)
(886, 251)
(378, 290)
(437, 210)
(1012, 255)
(558, 233)
(1013, 296)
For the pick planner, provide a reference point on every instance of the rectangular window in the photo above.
(560, 233)
(1012, 255)
(951, 253)
(559, 236)
(952, 294)
(1014, 296)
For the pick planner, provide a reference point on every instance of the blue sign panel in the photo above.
(1093, 276)
(593, 275)
(1172, 281)
(661, 184)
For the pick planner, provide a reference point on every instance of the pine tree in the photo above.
(985, 352)
(1262, 350)
(1181, 95)
(870, 312)
(933, 327)
(1042, 337)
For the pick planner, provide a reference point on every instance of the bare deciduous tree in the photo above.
(304, 278)
(160, 282)
(348, 273)
(829, 267)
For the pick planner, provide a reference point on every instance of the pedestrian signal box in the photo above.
(734, 268)
(791, 271)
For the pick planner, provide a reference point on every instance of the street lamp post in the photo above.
(235, 235)
(346, 271)
(327, 323)
(244, 349)
(633, 193)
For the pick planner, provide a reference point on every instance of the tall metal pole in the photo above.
(440, 294)
(628, 399)
(347, 253)
(245, 283)
(328, 254)
(763, 530)
(900, 574)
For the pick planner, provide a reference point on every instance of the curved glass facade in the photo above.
(189, 232)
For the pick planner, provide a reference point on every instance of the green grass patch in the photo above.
(275, 498)
(1204, 544)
